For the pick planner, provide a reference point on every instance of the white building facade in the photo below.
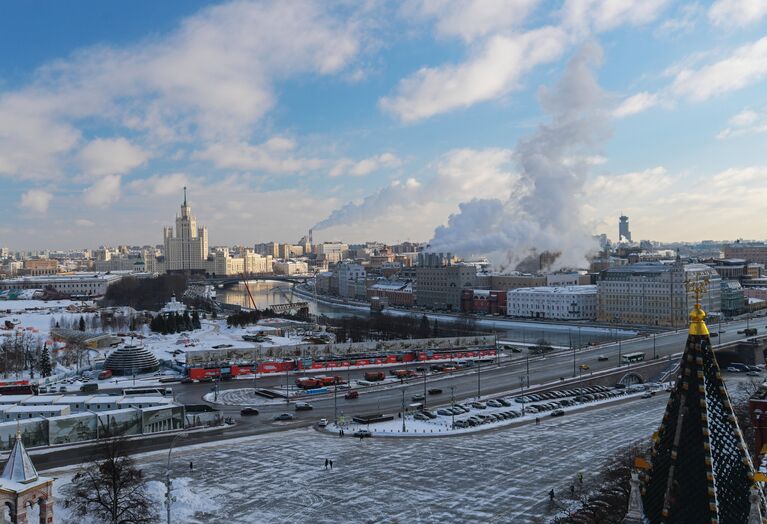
(562, 303)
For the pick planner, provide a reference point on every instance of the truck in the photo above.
(318, 382)
(107, 373)
(403, 373)
(373, 376)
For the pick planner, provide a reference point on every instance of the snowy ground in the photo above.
(496, 476)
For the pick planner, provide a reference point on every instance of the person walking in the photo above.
(537, 421)
(331, 464)
(341, 433)
(572, 490)
(191, 466)
(551, 495)
(326, 463)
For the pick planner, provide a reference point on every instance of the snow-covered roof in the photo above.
(564, 290)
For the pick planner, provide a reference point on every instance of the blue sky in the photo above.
(375, 118)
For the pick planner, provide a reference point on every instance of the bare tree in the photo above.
(111, 488)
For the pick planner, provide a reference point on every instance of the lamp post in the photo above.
(335, 404)
(654, 352)
(403, 411)
(452, 404)
(168, 484)
(479, 373)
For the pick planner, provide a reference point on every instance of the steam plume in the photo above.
(545, 215)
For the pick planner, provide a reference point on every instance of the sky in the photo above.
(378, 120)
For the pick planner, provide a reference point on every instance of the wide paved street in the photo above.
(498, 476)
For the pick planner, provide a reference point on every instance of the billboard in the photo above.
(201, 357)
(119, 422)
(162, 418)
(72, 428)
(34, 432)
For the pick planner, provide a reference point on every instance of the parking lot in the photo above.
(470, 416)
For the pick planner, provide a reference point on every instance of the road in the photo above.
(508, 376)
(492, 379)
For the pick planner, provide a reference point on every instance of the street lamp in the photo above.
(452, 404)
(168, 497)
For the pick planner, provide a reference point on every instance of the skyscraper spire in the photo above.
(184, 196)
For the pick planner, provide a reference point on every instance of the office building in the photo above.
(186, 250)
(652, 293)
(624, 235)
(561, 303)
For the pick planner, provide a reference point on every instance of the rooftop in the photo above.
(557, 290)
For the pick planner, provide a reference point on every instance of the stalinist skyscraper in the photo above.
(188, 249)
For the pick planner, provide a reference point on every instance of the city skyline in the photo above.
(408, 109)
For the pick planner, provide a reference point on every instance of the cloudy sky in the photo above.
(373, 118)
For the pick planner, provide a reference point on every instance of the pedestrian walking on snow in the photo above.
(331, 465)
(537, 421)
(551, 495)
(326, 463)
(191, 466)
(572, 491)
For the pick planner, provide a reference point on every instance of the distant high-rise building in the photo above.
(187, 250)
(624, 235)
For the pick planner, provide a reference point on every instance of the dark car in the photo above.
(557, 413)
(187, 380)
(602, 358)
(206, 379)
(284, 416)
(363, 433)
(435, 391)
(248, 411)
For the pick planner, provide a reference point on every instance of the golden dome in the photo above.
(698, 322)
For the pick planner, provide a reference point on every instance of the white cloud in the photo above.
(36, 200)
(630, 185)
(684, 22)
(212, 78)
(365, 166)
(273, 156)
(606, 15)
(740, 177)
(744, 123)
(161, 185)
(495, 69)
(458, 175)
(111, 156)
(745, 66)
(84, 222)
(635, 104)
(104, 191)
(737, 13)
(470, 19)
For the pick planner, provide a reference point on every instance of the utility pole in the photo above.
(654, 353)
(619, 352)
(479, 373)
(573, 361)
(452, 403)
(424, 386)
(168, 484)
(287, 387)
(335, 404)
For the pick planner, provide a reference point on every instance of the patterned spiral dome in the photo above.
(128, 360)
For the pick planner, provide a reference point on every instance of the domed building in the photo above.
(129, 360)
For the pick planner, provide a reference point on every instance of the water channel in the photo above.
(267, 293)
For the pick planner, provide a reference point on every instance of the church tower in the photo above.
(21, 488)
(700, 469)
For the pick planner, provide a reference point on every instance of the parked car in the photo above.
(323, 422)
(248, 411)
(557, 413)
(733, 370)
(444, 412)
(478, 405)
(753, 374)
(504, 402)
(43, 389)
(62, 389)
(284, 416)
(429, 413)
(494, 403)
(303, 406)
(435, 391)
(420, 416)
(363, 433)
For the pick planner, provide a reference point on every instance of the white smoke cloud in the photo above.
(547, 215)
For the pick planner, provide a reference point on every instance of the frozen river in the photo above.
(498, 476)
